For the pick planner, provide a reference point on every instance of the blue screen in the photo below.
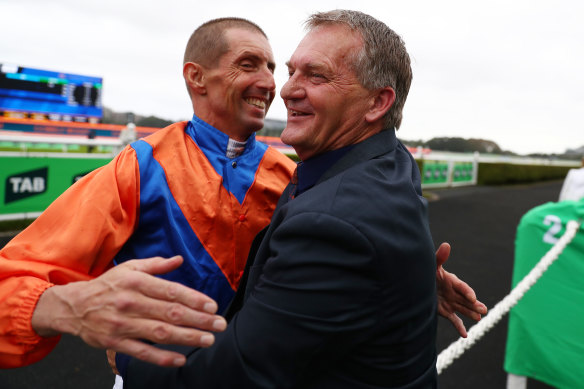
(50, 95)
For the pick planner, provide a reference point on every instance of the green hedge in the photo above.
(14, 225)
(506, 173)
(503, 174)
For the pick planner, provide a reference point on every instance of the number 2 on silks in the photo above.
(555, 226)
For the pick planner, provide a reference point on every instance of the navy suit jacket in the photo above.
(341, 293)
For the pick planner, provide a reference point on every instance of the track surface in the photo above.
(479, 223)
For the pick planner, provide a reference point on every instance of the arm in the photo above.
(312, 303)
(127, 304)
(74, 239)
(49, 270)
(455, 295)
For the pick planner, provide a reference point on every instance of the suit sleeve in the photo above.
(317, 293)
(75, 239)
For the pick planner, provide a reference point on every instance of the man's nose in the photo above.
(292, 89)
(266, 80)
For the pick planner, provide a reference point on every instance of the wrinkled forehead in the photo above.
(241, 40)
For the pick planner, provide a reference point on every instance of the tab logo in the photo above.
(24, 185)
(79, 176)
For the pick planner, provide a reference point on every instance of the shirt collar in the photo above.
(311, 170)
(211, 139)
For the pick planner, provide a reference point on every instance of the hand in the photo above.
(127, 304)
(455, 295)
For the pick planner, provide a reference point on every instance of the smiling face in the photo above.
(326, 104)
(239, 90)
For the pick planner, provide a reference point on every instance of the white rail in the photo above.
(65, 140)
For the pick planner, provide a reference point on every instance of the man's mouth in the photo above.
(296, 113)
(256, 102)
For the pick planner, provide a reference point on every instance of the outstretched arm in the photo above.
(454, 295)
(127, 304)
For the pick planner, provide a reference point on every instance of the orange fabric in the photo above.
(92, 219)
(97, 215)
(226, 239)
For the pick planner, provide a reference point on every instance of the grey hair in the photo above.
(383, 61)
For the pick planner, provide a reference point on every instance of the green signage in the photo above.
(448, 173)
(463, 172)
(30, 184)
(435, 172)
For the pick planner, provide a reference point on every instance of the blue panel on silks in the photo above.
(545, 340)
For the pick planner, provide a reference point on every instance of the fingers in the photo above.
(464, 303)
(155, 265)
(173, 313)
(112, 335)
(167, 291)
(130, 303)
(151, 354)
(460, 288)
(445, 310)
(129, 342)
(480, 308)
(142, 295)
(164, 290)
(127, 304)
(469, 312)
(463, 289)
(468, 297)
(458, 324)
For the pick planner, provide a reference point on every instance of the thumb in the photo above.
(156, 265)
(442, 254)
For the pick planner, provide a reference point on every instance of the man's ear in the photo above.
(383, 99)
(194, 76)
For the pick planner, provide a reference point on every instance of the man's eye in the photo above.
(290, 73)
(247, 65)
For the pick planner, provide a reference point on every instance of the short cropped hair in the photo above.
(383, 61)
(207, 43)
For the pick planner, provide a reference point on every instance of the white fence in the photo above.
(24, 140)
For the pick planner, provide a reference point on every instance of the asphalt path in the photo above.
(479, 223)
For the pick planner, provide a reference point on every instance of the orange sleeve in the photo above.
(75, 239)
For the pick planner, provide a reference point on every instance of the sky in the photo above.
(507, 71)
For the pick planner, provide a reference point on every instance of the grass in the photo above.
(56, 148)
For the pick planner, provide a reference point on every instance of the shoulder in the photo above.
(278, 158)
(275, 169)
(166, 134)
(386, 183)
(169, 140)
(377, 197)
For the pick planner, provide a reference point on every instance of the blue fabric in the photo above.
(310, 171)
(163, 229)
(341, 293)
(236, 178)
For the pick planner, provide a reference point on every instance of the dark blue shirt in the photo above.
(310, 171)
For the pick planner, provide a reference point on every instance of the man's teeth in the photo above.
(296, 113)
(256, 102)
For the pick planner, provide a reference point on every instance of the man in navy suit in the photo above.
(340, 288)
